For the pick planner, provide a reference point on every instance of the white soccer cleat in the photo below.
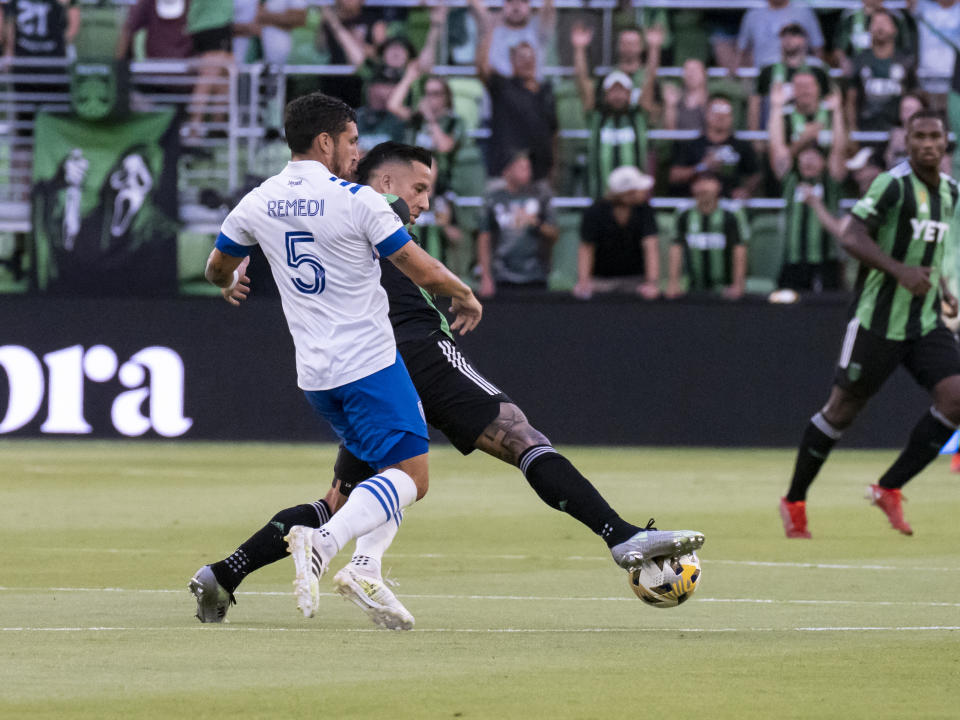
(310, 565)
(370, 594)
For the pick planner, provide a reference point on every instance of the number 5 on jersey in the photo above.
(296, 259)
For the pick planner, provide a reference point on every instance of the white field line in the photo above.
(512, 598)
(599, 558)
(531, 631)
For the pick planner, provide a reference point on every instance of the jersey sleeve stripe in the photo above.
(394, 242)
(229, 247)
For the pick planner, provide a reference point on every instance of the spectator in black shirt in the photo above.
(523, 110)
(619, 248)
(734, 161)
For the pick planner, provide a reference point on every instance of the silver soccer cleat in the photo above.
(213, 600)
(372, 596)
(652, 543)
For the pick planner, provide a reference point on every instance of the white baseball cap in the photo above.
(627, 178)
(617, 77)
(170, 9)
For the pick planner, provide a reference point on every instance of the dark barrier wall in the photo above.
(614, 371)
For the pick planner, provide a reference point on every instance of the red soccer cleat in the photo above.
(794, 516)
(890, 501)
(955, 462)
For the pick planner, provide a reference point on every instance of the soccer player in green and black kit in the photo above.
(457, 400)
(897, 232)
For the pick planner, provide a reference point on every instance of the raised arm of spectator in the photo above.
(781, 160)
(285, 19)
(438, 21)
(850, 105)
(580, 38)
(354, 49)
(396, 103)
(837, 160)
(485, 23)
(548, 23)
(73, 24)
(648, 96)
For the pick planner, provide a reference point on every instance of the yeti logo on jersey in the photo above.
(929, 230)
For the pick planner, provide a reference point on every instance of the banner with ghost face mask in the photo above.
(104, 205)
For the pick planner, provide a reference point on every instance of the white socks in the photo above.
(371, 504)
(372, 546)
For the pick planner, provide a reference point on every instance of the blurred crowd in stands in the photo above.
(675, 140)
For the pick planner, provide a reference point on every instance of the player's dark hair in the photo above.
(387, 152)
(310, 115)
(926, 113)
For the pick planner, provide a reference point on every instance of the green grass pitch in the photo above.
(520, 611)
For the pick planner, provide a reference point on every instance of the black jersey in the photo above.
(413, 314)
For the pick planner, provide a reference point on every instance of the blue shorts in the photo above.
(379, 418)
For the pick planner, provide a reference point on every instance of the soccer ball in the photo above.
(666, 582)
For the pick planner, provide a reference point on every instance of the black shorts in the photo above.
(457, 400)
(213, 40)
(867, 360)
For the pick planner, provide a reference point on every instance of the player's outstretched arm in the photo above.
(433, 276)
(857, 242)
(229, 274)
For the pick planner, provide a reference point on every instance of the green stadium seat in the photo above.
(764, 252)
(563, 273)
(467, 99)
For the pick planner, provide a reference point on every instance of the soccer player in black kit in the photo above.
(457, 400)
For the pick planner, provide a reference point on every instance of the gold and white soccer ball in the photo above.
(666, 582)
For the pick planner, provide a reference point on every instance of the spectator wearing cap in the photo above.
(853, 33)
(165, 26)
(619, 247)
(523, 110)
(709, 244)
(733, 160)
(879, 77)
(811, 190)
(517, 231)
(794, 57)
(514, 25)
(618, 124)
(758, 41)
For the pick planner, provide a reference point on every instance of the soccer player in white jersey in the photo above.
(323, 237)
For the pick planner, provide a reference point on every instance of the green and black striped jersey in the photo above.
(708, 242)
(615, 139)
(806, 240)
(910, 221)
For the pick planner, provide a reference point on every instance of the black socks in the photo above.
(561, 486)
(267, 545)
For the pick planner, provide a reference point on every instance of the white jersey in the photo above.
(323, 237)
